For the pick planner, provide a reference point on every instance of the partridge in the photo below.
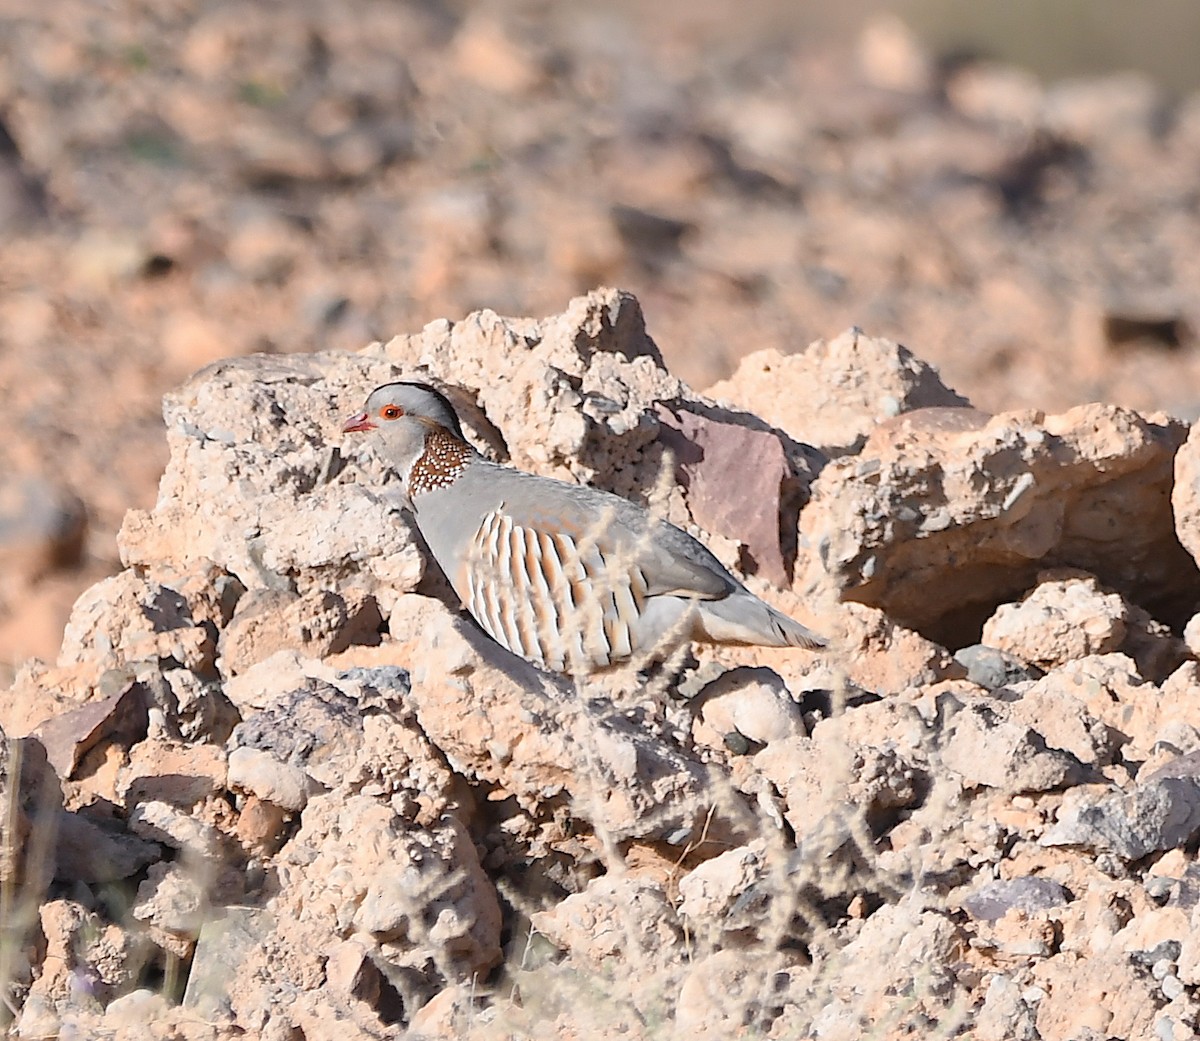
(568, 577)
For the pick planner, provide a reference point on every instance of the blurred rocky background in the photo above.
(990, 184)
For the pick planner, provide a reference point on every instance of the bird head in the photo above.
(400, 417)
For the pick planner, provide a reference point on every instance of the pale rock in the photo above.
(1109, 689)
(416, 896)
(499, 720)
(443, 1017)
(166, 824)
(1061, 619)
(173, 903)
(912, 949)
(892, 56)
(709, 893)
(998, 503)
(267, 680)
(1018, 936)
(1068, 616)
(1064, 722)
(180, 775)
(261, 826)
(885, 656)
(1101, 110)
(1153, 930)
(1181, 736)
(864, 764)
(283, 784)
(85, 957)
(834, 393)
(625, 916)
(1080, 996)
(39, 692)
(486, 52)
(724, 989)
(996, 92)
(135, 1009)
(986, 747)
(255, 483)
(335, 727)
(1188, 962)
(318, 624)
(38, 1018)
(1102, 907)
(126, 619)
(1185, 492)
(1005, 1015)
(752, 702)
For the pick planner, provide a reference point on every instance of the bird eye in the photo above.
(391, 411)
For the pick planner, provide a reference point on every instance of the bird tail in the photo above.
(744, 618)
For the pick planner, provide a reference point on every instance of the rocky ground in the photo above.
(276, 785)
(264, 781)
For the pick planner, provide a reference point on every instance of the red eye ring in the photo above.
(391, 412)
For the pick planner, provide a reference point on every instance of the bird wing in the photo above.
(563, 604)
(670, 560)
(563, 575)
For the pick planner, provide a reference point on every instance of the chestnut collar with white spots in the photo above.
(441, 464)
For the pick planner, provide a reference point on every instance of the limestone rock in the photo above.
(985, 747)
(317, 624)
(127, 619)
(417, 896)
(710, 894)
(753, 703)
(348, 808)
(1068, 615)
(977, 513)
(614, 916)
(834, 393)
(256, 484)
(173, 902)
